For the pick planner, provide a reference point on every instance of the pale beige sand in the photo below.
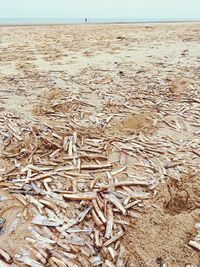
(42, 57)
(91, 62)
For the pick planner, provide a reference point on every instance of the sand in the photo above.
(130, 72)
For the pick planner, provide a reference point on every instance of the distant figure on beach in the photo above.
(85, 20)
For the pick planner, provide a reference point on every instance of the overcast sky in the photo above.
(135, 9)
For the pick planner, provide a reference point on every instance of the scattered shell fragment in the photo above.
(42, 220)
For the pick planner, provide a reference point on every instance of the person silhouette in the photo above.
(86, 20)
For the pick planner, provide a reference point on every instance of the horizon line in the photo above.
(92, 18)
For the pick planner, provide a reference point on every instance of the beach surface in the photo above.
(128, 94)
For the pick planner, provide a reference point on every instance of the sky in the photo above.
(102, 9)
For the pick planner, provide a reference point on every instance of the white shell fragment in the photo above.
(42, 220)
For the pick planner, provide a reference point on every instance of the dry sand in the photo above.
(148, 77)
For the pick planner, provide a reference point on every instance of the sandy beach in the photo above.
(122, 99)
